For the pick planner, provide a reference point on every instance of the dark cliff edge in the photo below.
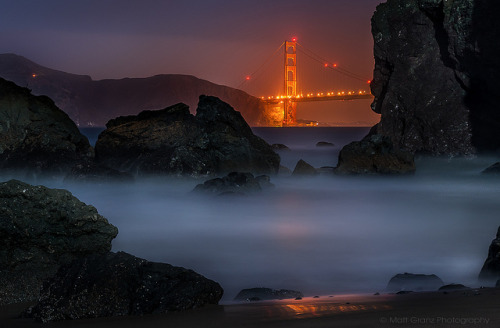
(93, 103)
(436, 75)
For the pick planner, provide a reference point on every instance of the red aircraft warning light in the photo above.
(294, 39)
(247, 78)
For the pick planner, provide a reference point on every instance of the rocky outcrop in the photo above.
(436, 74)
(119, 284)
(324, 144)
(37, 136)
(279, 146)
(234, 183)
(172, 141)
(374, 154)
(414, 282)
(452, 287)
(490, 272)
(93, 103)
(263, 294)
(41, 229)
(492, 170)
(302, 168)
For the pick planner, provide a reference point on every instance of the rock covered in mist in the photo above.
(40, 229)
(374, 154)
(436, 74)
(302, 168)
(90, 172)
(172, 141)
(263, 294)
(490, 271)
(324, 144)
(36, 135)
(414, 282)
(493, 169)
(117, 284)
(280, 147)
(452, 287)
(234, 183)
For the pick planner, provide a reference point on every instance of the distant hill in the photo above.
(93, 103)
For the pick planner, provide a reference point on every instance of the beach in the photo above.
(470, 308)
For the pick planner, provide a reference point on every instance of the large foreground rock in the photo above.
(119, 284)
(490, 272)
(374, 154)
(436, 74)
(414, 282)
(262, 294)
(36, 135)
(40, 229)
(172, 141)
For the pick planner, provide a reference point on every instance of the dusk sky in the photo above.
(218, 40)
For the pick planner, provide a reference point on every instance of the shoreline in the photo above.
(469, 308)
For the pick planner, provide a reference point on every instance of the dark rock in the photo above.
(324, 144)
(316, 296)
(377, 294)
(404, 292)
(40, 229)
(172, 141)
(303, 168)
(283, 170)
(93, 173)
(298, 298)
(493, 169)
(374, 154)
(279, 147)
(490, 272)
(452, 287)
(267, 294)
(37, 136)
(414, 282)
(436, 74)
(117, 284)
(234, 183)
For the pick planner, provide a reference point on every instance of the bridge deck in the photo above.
(320, 98)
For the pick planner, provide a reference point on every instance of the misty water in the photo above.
(321, 235)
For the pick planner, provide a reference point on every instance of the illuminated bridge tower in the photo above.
(290, 107)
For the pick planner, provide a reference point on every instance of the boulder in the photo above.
(263, 294)
(172, 141)
(414, 282)
(436, 74)
(280, 147)
(374, 154)
(324, 144)
(234, 183)
(37, 136)
(490, 271)
(41, 229)
(302, 168)
(452, 287)
(492, 170)
(117, 284)
(92, 173)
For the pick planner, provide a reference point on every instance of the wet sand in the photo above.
(473, 308)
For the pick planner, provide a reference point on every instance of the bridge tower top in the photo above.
(290, 82)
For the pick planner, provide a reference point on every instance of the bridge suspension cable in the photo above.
(259, 69)
(311, 54)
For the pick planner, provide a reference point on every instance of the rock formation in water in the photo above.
(493, 169)
(93, 103)
(41, 229)
(172, 141)
(374, 154)
(117, 284)
(238, 183)
(263, 294)
(302, 168)
(414, 282)
(36, 135)
(436, 74)
(490, 272)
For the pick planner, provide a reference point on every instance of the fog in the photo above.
(321, 235)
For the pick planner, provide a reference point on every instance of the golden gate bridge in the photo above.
(285, 104)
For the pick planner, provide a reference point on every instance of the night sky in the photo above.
(217, 40)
